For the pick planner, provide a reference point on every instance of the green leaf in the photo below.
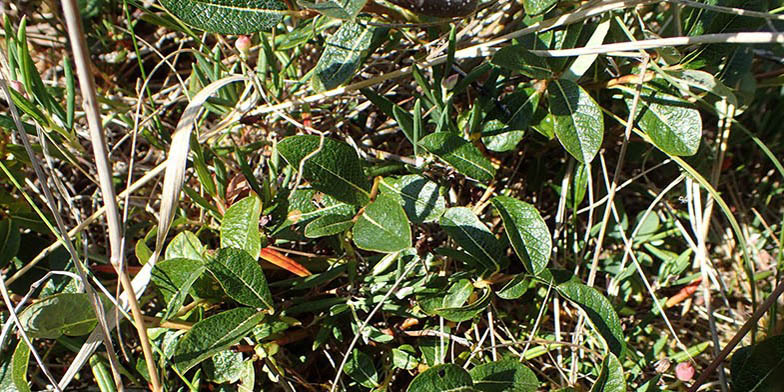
(536, 7)
(611, 377)
(214, 334)
(442, 378)
(240, 226)
(504, 376)
(674, 126)
(383, 227)
(472, 235)
(527, 232)
(225, 367)
(498, 137)
(328, 225)
(451, 303)
(422, 199)
(515, 288)
(174, 278)
(19, 362)
(241, 278)
(340, 9)
(461, 154)
(343, 54)
(228, 16)
(404, 357)
(335, 169)
(10, 239)
(600, 312)
(360, 367)
(759, 367)
(518, 58)
(185, 245)
(61, 314)
(579, 124)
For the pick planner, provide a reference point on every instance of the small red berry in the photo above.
(684, 371)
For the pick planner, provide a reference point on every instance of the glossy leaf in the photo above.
(460, 154)
(527, 232)
(498, 137)
(341, 9)
(383, 227)
(451, 303)
(759, 367)
(9, 241)
(611, 377)
(185, 245)
(442, 378)
(335, 169)
(471, 234)
(578, 120)
(214, 334)
(672, 124)
(599, 311)
(360, 367)
(175, 278)
(343, 54)
(19, 362)
(241, 278)
(327, 225)
(536, 7)
(404, 357)
(515, 288)
(422, 199)
(68, 314)
(504, 376)
(240, 226)
(228, 16)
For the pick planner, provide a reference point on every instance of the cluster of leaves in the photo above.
(440, 238)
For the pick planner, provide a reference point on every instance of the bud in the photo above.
(243, 45)
(450, 82)
(684, 371)
(19, 87)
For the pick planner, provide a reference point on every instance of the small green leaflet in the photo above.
(174, 278)
(599, 311)
(527, 232)
(611, 377)
(328, 225)
(383, 227)
(333, 168)
(240, 226)
(360, 367)
(19, 362)
(460, 154)
(579, 123)
(343, 54)
(214, 334)
(241, 278)
(228, 16)
(672, 124)
(451, 303)
(340, 9)
(442, 378)
(472, 235)
(422, 199)
(504, 376)
(185, 245)
(68, 314)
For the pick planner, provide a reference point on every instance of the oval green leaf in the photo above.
(343, 53)
(422, 199)
(504, 376)
(442, 378)
(334, 169)
(327, 225)
(174, 278)
(185, 245)
(527, 232)
(241, 278)
(611, 377)
(472, 235)
(460, 154)
(214, 334)
(19, 362)
(672, 124)
(578, 120)
(599, 311)
(383, 227)
(68, 314)
(228, 16)
(759, 367)
(240, 226)
(360, 367)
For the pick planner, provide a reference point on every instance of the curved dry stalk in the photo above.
(100, 154)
